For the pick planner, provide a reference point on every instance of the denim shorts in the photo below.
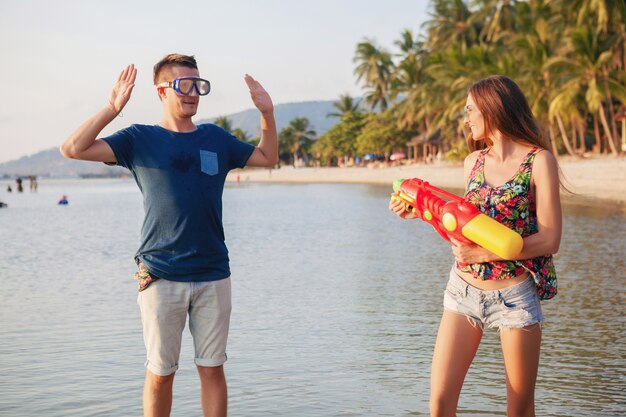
(514, 307)
(165, 306)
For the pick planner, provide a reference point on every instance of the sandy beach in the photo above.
(595, 181)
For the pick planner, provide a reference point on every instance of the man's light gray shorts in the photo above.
(514, 307)
(164, 308)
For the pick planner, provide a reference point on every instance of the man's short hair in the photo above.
(173, 59)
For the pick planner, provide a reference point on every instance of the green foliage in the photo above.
(339, 140)
(295, 139)
(458, 152)
(241, 135)
(345, 105)
(375, 68)
(379, 135)
(226, 124)
(569, 57)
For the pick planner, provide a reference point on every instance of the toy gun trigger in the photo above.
(407, 207)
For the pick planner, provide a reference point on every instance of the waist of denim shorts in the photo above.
(469, 290)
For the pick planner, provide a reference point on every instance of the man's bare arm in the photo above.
(82, 144)
(266, 153)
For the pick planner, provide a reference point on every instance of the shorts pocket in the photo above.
(519, 310)
(208, 162)
(519, 300)
(453, 297)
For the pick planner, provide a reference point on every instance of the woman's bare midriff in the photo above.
(492, 284)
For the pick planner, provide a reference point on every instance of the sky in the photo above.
(60, 58)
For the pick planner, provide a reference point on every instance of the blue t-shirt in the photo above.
(181, 177)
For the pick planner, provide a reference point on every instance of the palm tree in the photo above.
(339, 141)
(297, 136)
(453, 71)
(345, 105)
(224, 122)
(585, 71)
(411, 83)
(408, 71)
(569, 56)
(375, 69)
(380, 135)
(455, 59)
(606, 14)
(409, 45)
(452, 23)
(500, 17)
(540, 34)
(241, 135)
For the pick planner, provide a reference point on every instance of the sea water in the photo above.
(336, 304)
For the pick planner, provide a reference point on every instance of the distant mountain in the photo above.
(50, 163)
(315, 111)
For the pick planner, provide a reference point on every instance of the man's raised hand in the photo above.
(260, 97)
(123, 88)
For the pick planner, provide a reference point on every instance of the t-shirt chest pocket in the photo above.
(208, 162)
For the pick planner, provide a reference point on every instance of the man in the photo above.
(180, 169)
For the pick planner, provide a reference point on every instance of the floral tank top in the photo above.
(513, 205)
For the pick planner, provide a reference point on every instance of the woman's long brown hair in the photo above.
(504, 108)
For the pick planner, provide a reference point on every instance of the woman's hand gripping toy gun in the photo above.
(456, 218)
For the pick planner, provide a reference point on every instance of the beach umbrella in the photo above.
(397, 155)
(370, 157)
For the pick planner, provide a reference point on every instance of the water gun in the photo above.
(453, 216)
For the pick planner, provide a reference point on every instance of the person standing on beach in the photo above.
(183, 264)
(512, 177)
(32, 179)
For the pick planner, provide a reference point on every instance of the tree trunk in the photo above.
(555, 151)
(607, 132)
(575, 141)
(568, 147)
(611, 112)
(597, 147)
(623, 135)
(581, 132)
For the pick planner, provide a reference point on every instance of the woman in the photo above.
(512, 177)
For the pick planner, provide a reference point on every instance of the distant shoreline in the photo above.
(598, 182)
(594, 181)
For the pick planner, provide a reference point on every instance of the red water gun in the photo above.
(454, 217)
